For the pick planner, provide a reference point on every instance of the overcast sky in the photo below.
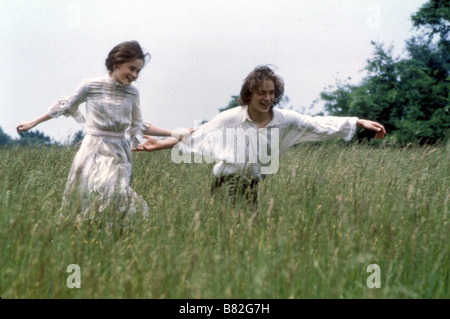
(201, 51)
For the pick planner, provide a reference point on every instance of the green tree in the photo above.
(434, 18)
(77, 138)
(36, 138)
(5, 139)
(232, 104)
(410, 96)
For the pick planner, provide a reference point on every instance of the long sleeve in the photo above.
(68, 105)
(328, 127)
(209, 140)
(138, 126)
(302, 128)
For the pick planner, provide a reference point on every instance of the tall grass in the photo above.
(329, 212)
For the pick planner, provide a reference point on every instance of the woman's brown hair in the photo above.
(125, 52)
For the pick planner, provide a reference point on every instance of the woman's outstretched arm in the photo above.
(152, 144)
(25, 126)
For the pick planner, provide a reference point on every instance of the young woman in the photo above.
(101, 172)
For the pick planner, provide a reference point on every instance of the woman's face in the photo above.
(127, 72)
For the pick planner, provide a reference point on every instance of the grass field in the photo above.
(330, 212)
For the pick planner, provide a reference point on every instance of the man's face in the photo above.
(262, 99)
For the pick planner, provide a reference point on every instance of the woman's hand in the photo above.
(152, 144)
(25, 126)
(372, 126)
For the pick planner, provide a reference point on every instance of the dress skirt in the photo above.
(100, 178)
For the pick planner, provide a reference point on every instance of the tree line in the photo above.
(36, 138)
(408, 95)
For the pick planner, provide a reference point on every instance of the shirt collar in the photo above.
(276, 120)
(244, 114)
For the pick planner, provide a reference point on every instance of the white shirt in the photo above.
(238, 146)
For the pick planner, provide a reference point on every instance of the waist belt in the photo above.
(98, 132)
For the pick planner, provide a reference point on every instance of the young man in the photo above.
(241, 139)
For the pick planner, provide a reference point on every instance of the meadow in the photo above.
(329, 212)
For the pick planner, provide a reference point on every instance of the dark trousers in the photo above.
(236, 186)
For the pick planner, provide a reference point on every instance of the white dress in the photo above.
(101, 172)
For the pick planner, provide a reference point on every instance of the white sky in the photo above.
(201, 51)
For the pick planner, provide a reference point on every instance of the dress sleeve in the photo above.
(68, 105)
(138, 126)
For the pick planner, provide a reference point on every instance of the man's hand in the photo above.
(372, 126)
